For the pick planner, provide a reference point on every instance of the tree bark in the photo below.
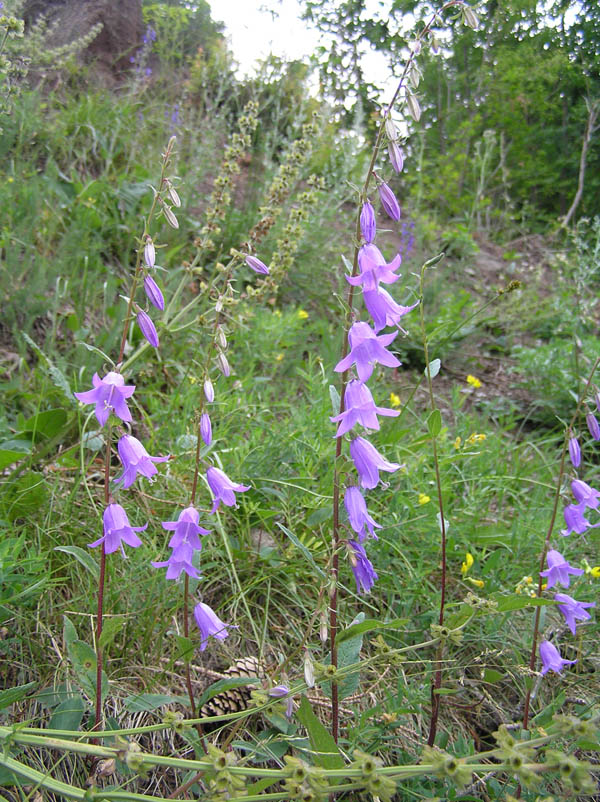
(590, 129)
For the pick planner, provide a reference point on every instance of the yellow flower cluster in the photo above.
(424, 498)
(466, 565)
(473, 381)
(395, 400)
(475, 438)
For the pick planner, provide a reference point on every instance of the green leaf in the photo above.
(84, 662)
(95, 350)
(222, 685)
(348, 654)
(48, 423)
(325, 751)
(434, 368)
(186, 648)
(110, 629)
(8, 456)
(434, 423)
(68, 715)
(69, 632)
(147, 702)
(12, 695)
(517, 602)
(492, 675)
(366, 626)
(82, 556)
(57, 375)
(302, 547)
(335, 399)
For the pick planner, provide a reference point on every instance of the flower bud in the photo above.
(223, 364)
(147, 328)
(367, 222)
(575, 452)
(149, 252)
(470, 18)
(390, 129)
(172, 193)
(323, 627)
(221, 338)
(389, 202)
(209, 391)
(396, 157)
(170, 217)
(257, 265)
(593, 426)
(309, 670)
(206, 428)
(153, 292)
(414, 108)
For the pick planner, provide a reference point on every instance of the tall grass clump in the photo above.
(391, 639)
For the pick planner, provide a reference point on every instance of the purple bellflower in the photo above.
(186, 529)
(358, 515)
(374, 269)
(572, 609)
(389, 202)
(559, 570)
(223, 488)
(551, 659)
(366, 349)
(147, 328)
(109, 395)
(575, 520)
(585, 494)
(368, 462)
(368, 226)
(135, 460)
(180, 560)
(206, 428)
(118, 530)
(593, 425)
(362, 567)
(360, 408)
(209, 624)
(383, 309)
(256, 265)
(153, 293)
(575, 452)
(278, 692)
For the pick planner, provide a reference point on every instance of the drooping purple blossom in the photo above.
(118, 530)
(223, 488)
(367, 222)
(179, 561)
(572, 609)
(279, 692)
(559, 570)
(108, 394)
(575, 452)
(186, 529)
(366, 350)
(368, 462)
(153, 293)
(551, 659)
(147, 328)
(206, 428)
(374, 269)
(256, 265)
(362, 567)
(360, 408)
(575, 520)
(396, 156)
(136, 460)
(389, 202)
(585, 494)
(383, 309)
(358, 515)
(593, 425)
(209, 624)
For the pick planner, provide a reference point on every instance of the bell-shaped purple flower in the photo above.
(108, 394)
(179, 561)
(573, 610)
(585, 494)
(153, 293)
(358, 515)
(206, 428)
(383, 309)
(186, 529)
(551, 659)
(559, 570)
(118, 530)
(593, 425)
(256, 265)
(396, 156)
(147, 328)
(362, 567)
(368, 462)
(374, 269)
(575, 520)
(368, 226)
(135, 460)
(389, 202)
(223, 488)
(360, 408)
(366, 350)
(279, 692)
(575, 452)
(209, 624)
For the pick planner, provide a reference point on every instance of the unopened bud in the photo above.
(221, 338)
(149, 252)
(414, 108)
(219, 305)
(170, 217)
(223, 364)
(414, 76)
(309, 669)
(323, 627)
(396, 156)
(390, 129)
(470, 17)
(172, 193)
(209, 391)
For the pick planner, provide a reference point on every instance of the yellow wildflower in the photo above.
(467, 563)
(473, 381)
(302, 314)
(277, 312)
(395, 400)
(475, 438)
(595, 572)
(457, 443)
(279, 357)
(424, 498)
(10, 179)
(479, 583)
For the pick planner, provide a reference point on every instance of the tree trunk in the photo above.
(590, 128)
